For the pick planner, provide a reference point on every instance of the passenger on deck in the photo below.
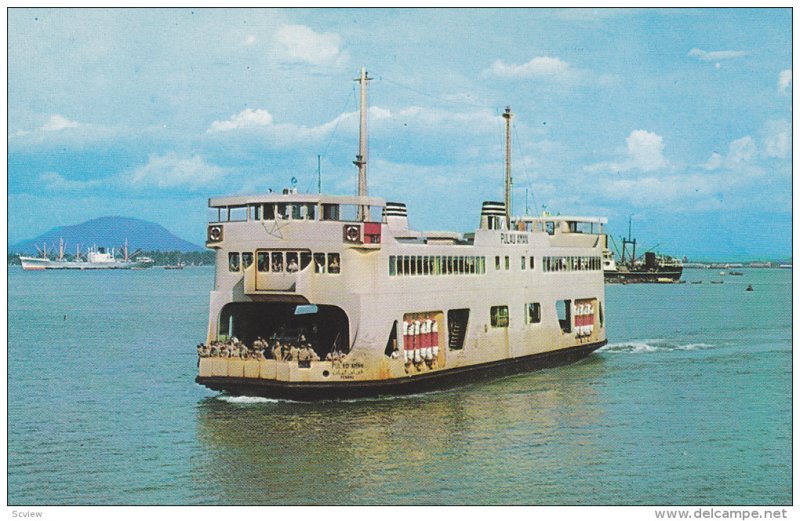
(277, 351)
(292, 266)
(333, 265)
(303, 357)
(294, 352)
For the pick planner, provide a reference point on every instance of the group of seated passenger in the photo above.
(231, 348)
(302, 351)
(335, 356)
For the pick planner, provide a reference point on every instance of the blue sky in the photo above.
(679, 118)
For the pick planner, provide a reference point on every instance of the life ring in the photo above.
(215, 233)
(352, 233)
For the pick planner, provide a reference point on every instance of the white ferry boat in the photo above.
(380, 308)
(94, 259)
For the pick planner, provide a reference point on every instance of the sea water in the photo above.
(690, 403)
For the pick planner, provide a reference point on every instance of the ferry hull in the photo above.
(435, 380)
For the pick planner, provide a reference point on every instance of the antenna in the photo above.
(319, 175)
(507, 116)
(361, 158)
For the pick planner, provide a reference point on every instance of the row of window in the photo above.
(571, 264)
(499, 314)
(285, 261)
(533, 314)
(459, 265)
(291, 211)
(436, 265)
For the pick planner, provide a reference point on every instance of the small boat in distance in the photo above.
(95, 258)
(179, 266)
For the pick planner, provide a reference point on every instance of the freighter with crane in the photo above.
(95, 258)
(648, 268)
(320, 296)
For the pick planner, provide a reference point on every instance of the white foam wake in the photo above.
(652, 346)
(245, 399)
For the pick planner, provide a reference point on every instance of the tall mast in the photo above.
(361, 158)
(319, 175)
(507, 116)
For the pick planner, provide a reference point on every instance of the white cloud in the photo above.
(56, 182)
(249, 40)
(741, 151)
(171, 171)
(300, 44)
(54, 124)
(777, 139)
(644, 152)
(244, 119)
(784, 81)
(714, 162)
(713, 56)
(57, 122)
(544, 67)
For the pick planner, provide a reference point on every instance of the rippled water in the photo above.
(690, 403)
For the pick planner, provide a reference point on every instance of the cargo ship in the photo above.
(95, 258)
(648, 268)
(324, 297)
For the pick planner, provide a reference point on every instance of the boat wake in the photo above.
(653, 346)
(246, 400)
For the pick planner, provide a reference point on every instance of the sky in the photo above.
(679, 120)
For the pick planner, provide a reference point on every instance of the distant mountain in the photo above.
(110, 232)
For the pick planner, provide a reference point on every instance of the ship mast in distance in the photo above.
(507, 116)
(361, 158)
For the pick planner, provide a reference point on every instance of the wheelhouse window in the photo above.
(499, 316)
(233, 261)
(534, 314)
(237, 213)
(550, 227)
(247, 259)
(330, 212)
